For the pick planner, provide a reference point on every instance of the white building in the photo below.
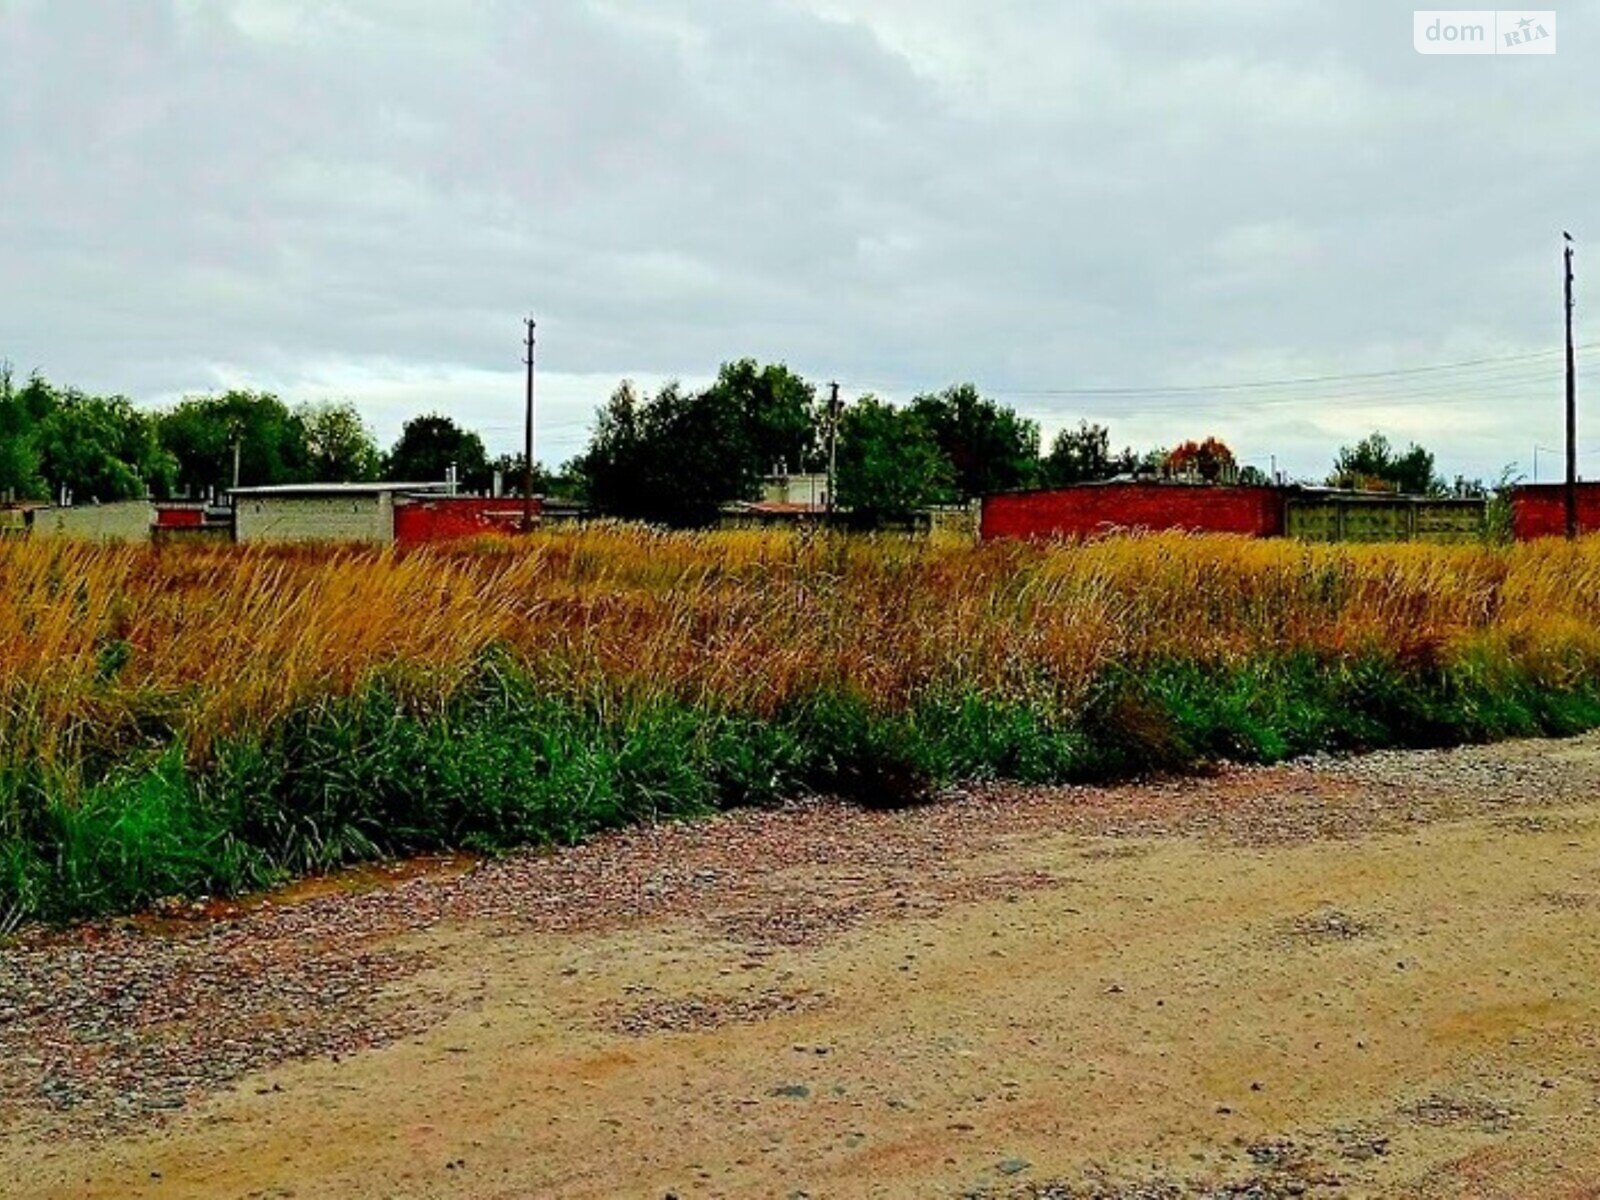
(118, 521)
(321, 512)
(810, 490)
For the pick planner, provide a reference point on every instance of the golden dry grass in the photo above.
(98, 637)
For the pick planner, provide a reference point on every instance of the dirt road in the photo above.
(1372, 978)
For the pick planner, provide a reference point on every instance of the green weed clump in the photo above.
(180, 723)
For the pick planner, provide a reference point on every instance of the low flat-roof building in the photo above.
(1089, 510)
(1540, 509)
(808, 491)
(322, 512)
(117, 521)
(785, 500)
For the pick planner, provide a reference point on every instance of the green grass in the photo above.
(502, 765)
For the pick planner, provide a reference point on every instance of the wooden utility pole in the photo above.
(1572, 402)
(833, 443)
(527, 439)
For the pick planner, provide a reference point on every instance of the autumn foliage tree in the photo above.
(1211, 460)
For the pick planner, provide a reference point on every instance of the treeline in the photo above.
(675, 457)
(678, 456)
(103, 448)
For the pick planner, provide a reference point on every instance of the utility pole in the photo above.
(236, 459)
(833, 444)
(1572, 401)
(527, 440)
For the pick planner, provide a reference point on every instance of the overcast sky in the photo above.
(362, 200)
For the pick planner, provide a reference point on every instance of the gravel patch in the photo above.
(1326, 925)
(688, 1014)
(1439, 1110)
(1273, 1184)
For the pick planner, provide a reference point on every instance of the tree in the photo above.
(674, 458)
(340, 447)
(1211, 460)
(98, 448)
(1152, 462)
(890, 462)
(699, 455)
(103, 449)
(141, 447)
(777, 409)
(1083, 455)
(679, 457)
(430, 445)
(1372, 465)
(202, 430)
(611, 462)
(990, 447)
(20, 414)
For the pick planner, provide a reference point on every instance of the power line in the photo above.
(1451, 398)
(1448, 397)
(1502, 377)
(1300, 381)
(1499, 378)
(1488, 365)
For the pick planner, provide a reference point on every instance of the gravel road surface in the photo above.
(1364, 977)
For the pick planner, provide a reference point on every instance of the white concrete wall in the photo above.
(795, 489)
(125, 520)
(359, 518)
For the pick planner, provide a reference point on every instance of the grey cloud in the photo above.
(1032, 195)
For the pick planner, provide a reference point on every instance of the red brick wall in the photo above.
(1540, 510)
(440, 518)
(1098, 509)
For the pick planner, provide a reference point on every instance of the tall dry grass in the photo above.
(201, 721)
(110, 644)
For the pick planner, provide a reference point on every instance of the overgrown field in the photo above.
(191, 721)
